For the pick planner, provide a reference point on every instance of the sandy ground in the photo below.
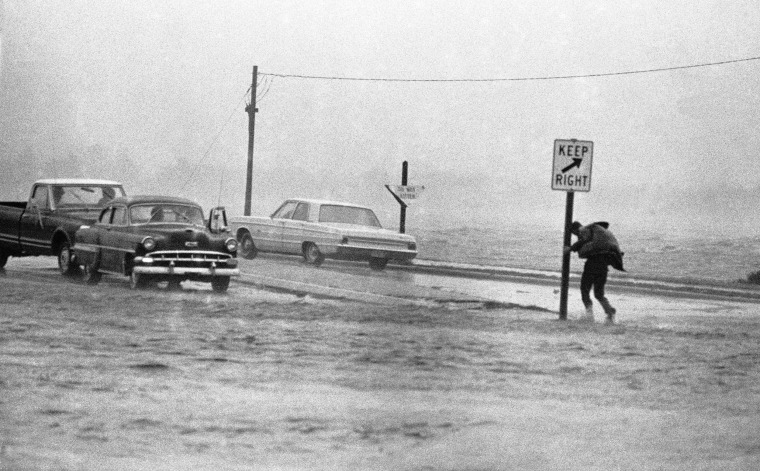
(108, 378)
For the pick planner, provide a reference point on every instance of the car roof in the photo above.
(327, 202)
(145, 199)
(75, 181)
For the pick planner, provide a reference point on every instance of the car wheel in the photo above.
(248, 249)
(220, 284)
(3, 258)
(138, 280)
(91, 274)
(378, 263)
(312, 254)
(65, 259)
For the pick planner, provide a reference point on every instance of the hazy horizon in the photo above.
(153, 94)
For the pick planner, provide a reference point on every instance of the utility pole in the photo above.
(251, 110)
(402, 219)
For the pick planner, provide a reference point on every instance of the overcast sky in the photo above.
(168, 80)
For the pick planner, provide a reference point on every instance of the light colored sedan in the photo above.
(317, 229)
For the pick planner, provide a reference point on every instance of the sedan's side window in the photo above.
(119, 216)
(105, 216)
(285, 211)
(302, 212)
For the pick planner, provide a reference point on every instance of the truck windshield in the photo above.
(166, 213)
(94, 196)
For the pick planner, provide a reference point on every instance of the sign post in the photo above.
(571, 172)
(404, 194)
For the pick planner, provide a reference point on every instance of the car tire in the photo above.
(3, 258)
(220, 284)
(378, 263)
(312, 254)
(138, 280)
(248, 249)
(66, 259)
(91, 274)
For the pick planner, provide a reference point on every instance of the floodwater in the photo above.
(420, 376)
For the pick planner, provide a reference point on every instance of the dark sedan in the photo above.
(157, 238)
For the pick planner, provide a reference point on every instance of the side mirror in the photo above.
(217, 220)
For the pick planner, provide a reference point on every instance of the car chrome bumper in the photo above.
(186, 271)
(365, 253)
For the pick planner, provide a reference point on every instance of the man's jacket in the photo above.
(596, 239)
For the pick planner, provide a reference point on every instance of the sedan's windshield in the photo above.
(348, 215)
(166, 213)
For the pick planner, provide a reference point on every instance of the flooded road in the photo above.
(409, 285)
(340, 367)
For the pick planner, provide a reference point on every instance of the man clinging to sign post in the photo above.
(601, 249)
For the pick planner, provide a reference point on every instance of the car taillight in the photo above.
(412, 246)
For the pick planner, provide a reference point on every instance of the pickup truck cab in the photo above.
(46, 223)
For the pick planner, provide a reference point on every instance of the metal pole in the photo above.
(404, 172)
(566, 257)
(251, 110)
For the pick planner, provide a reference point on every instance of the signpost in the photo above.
(571, 172)
(572, 165)
(404, 194)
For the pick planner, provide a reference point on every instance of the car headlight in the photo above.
(149, 243)
(231, 245)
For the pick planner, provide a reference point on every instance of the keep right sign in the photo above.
(572, 165)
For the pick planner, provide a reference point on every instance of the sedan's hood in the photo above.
(180, 237)
(166, 229)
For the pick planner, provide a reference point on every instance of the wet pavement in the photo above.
(457, 289)
(429, 284)
(350, 281)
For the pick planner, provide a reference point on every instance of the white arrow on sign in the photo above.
(406, 193)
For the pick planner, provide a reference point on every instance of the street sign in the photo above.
(572, 165)
(406, 193)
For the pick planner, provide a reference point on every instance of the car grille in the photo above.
(188, 258)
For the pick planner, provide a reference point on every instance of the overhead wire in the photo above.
(516, 79)
(216, 138)
(266, 83)
(268, 77)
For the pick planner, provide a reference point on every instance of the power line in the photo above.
(515, 79)
(219, 133)
(266, 83)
